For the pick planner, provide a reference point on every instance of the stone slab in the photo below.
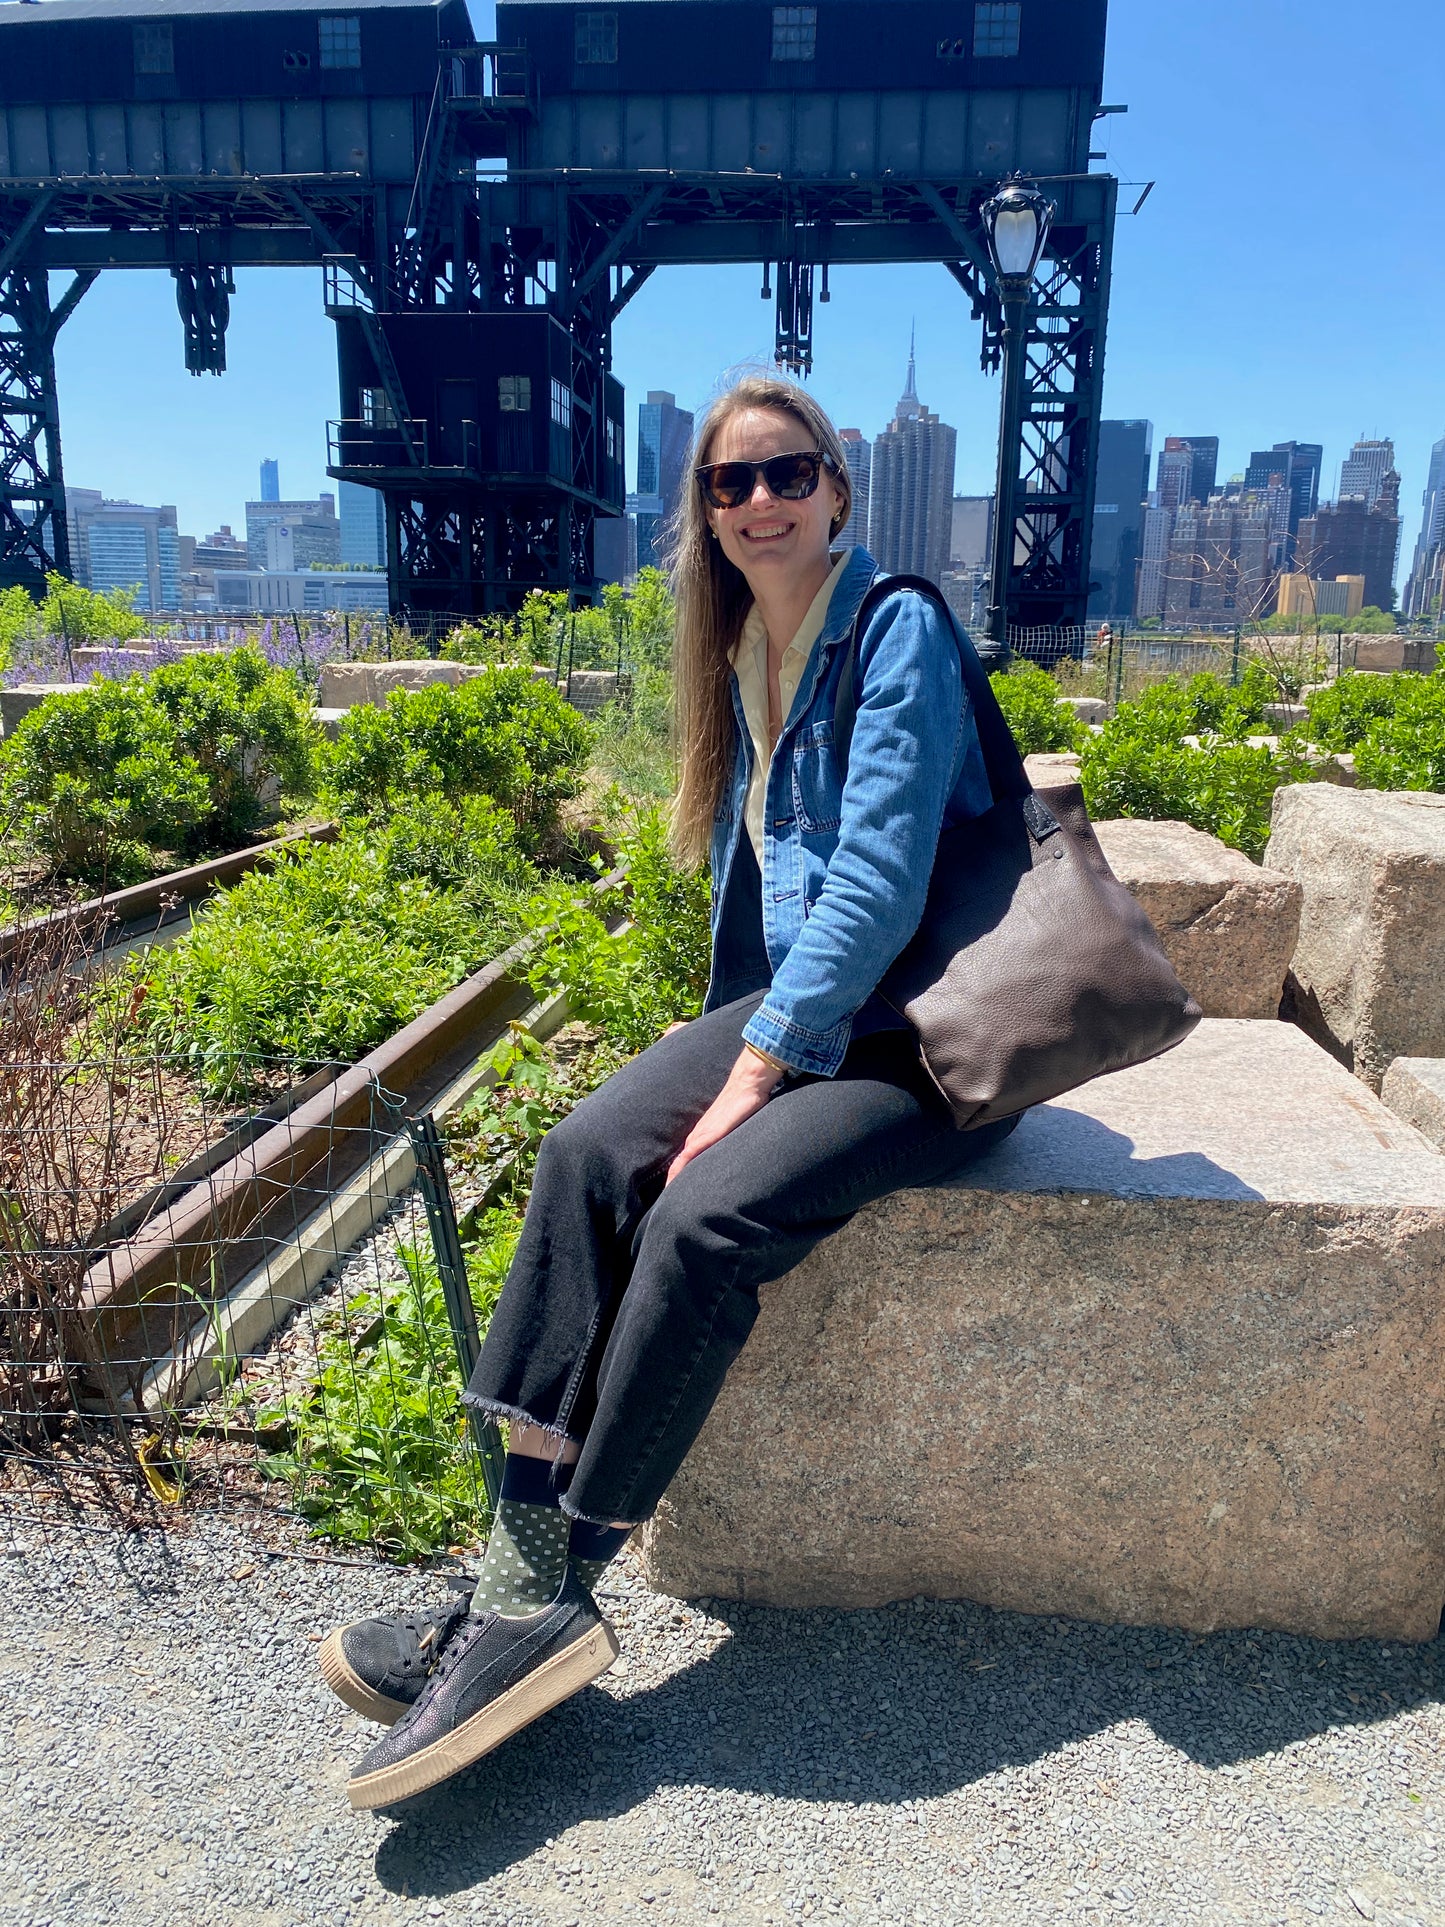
(1171, 1354)
(1088, 709)
(343, 685)
(1047, 767)
(1368, 975)
(1228, 926)
(18, 701)
(330, 721)
(1414, 1089)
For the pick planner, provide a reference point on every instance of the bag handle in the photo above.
(1001, 759)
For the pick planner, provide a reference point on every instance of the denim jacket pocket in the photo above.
(817, 785)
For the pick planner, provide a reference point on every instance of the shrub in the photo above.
(1405, 749)
(18, 615)
(1226, 788)
(1029, 699)
(1346, 710)
(501, 735)
(634, 985)
(95, 780)
(334, 948)
(247, 728)
(88, 615)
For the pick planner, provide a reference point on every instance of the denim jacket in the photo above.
(845, 866)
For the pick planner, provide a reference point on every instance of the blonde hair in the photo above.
(712, 599)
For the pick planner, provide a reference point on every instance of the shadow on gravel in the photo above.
(900, 1703)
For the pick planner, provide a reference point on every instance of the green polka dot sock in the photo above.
(591, 1549)
(526, 1555)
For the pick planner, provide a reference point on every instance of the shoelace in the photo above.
(433, 1628)
(446, 1663)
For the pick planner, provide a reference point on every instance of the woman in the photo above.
(719, 1157)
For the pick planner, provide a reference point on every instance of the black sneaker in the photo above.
(496, 1676)
(379, 1666)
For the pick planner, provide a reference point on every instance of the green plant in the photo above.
(500, 734)
(1029, 699)
(382, 1451)
(1405, 749)
(1345, 711)
(247, 727)
(654, 972)
(18, 616)
(633, 745)
(333, 949)
(88, 615)
(1225, 788)
(95, 779)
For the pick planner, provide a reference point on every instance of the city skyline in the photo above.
(1258, 341)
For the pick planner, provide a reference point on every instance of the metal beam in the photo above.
(331, 247)
(71, 299)
(618, 245)
(240, 247)
(10, 253)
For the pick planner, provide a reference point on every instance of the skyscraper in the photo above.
(315, 533)
(1364, 469)
(664, 436)
(270, 480)
(126, 546)
(859, 452)
(1350, 538)
(910, 509)
(1294, 466)
(1154, 541)
(1122, 485)
(1422, 588)
(1188, 465)
(363, 525)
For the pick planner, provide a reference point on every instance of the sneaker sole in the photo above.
(555, 1680)
(349, 1686)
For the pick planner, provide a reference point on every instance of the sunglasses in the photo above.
(790, 478)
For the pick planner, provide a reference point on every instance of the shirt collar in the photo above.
(754, 634)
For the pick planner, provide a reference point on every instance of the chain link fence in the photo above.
(258, 1301)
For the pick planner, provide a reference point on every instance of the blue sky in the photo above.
(1284, 281)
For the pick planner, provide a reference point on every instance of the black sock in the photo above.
(591, 1549)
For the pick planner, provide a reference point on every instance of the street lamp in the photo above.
(1016, 226)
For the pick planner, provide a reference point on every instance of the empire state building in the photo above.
(910, 510)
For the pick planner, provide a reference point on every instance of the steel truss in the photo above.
(476, 236)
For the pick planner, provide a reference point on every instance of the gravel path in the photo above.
(173, 1757)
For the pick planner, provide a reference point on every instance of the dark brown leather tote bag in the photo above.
(1033, 968)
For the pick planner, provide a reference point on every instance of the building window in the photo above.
(376, 409)
(596, 42)
(614, 438)
(514, 394)
(795, 33)
(561, 403)
(340, 40)
(996, 29)
(154, 53)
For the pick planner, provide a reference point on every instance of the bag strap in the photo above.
(1001, 759)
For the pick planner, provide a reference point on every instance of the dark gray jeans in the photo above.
(627, 1301)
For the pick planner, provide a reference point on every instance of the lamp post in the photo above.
(1016, 226)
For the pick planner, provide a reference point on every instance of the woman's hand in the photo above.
(750, 1084)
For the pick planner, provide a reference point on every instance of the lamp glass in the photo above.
(1016, 240)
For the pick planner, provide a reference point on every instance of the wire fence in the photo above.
(211, 1300)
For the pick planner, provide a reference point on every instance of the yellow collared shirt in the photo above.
(750, 662)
